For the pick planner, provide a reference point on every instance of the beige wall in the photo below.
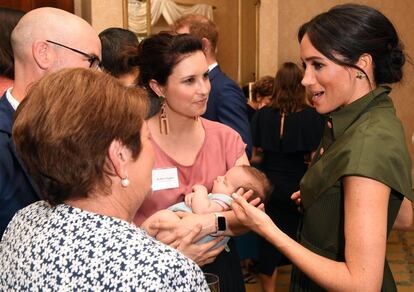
(269, 37)
(101, 14)
(247, 48)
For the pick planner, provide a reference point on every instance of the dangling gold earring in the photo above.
(164, 126)
(360, 75)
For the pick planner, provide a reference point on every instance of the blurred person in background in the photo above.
(8, 19)
(285, 133)
(120, 54)
(261, 95)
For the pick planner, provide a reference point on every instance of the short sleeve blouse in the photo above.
(366, 139)
(221, 148)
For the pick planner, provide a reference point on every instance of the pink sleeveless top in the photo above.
(221, 148)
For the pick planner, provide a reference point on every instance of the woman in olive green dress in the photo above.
(351, 194)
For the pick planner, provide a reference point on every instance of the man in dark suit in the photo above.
(226, 102)
(44, 41)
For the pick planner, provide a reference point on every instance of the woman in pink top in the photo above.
(188, 149)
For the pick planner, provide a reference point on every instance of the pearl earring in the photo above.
(125, 181)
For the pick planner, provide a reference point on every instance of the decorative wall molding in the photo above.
(137, 13)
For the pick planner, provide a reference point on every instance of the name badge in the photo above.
(164, 178)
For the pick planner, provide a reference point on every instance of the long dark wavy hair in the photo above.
(288, 92)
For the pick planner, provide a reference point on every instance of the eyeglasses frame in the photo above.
(91, 58)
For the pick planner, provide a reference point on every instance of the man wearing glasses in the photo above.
(44, 41)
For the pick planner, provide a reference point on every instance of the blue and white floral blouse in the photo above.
(63, 248)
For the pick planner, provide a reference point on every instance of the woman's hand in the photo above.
(177, 230)
(252, 217)
(200, 253)
(296, 197)
(184, 234)
(257, 202)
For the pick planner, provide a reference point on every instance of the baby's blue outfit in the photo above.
(215, 197)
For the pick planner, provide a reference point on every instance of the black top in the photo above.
(302, 134)
(302, 130)
(250, 111)
(284, 164)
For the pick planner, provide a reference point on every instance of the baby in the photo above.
(200, 202)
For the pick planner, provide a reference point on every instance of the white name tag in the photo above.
(164, 178)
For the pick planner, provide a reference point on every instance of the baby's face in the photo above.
(230, 182)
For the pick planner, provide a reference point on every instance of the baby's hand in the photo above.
(199, 191)
(188, 199)
(199, 188)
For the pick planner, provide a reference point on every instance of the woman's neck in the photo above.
(104, 204)
(184, 140)
(361, 91)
